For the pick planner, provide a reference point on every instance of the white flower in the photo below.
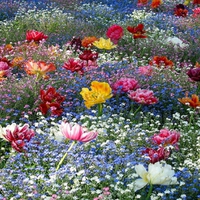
(157, 173)
(176, 42)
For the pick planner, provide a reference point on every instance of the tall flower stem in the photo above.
(150, 191)
(100, 109)
(62, 159)
(136, 111)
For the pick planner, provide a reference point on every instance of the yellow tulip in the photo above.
(104, 44)
(99, 93)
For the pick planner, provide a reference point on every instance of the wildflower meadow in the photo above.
(99, 100)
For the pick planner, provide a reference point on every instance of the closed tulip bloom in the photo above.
(77, 132)
(194, 73)
(157, 174)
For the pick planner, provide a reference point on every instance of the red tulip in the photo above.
(37, 36)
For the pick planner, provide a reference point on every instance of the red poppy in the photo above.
(180, 10)
(88, 55)
(51, 101)
(35, 36)
(74, 65)
(137, 31)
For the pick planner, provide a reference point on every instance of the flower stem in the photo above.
(62, 159)
(150, 191)
(100, 109)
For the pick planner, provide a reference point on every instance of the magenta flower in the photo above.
(115, 33)
(166, 137)
(156, 155)
(77, 132)
(125, 84)
(4, 70)
(18, 136)
(143, 96)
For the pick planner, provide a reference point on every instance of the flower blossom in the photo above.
(88, 41)
(33, 35)
(115, 33)
(74, 65)
(99, 93)
(51, 100)
(88, 55)
(4, 70)
(180, 11)
(156, 155)
(38, 68)
(192, 102)
(106, 44)
(166, 137)
(160, 61)
(125, 84)
(196, 12)
(194, 73)
(157, 174)
(143, 96)
(18, 135)
(137, 31)
(77, 132)
(156, 3)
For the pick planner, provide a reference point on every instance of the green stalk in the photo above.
(150, 191)
(100, 109)
(72, 144)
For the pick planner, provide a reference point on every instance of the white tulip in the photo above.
(157, 174)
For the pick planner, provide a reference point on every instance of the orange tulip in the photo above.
(39, 68)
(88, 41)
(161, 61)
(192, 102)
(156, 3)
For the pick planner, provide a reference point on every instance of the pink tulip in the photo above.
(146, 70)
(125, 84)
(18, 136)
(166, 137)
(77, 132)
(143, 96)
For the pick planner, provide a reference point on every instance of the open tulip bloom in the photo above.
(157, 174)
(76, 133)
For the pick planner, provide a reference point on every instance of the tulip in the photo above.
(157, 174)
(75, 133)
(18, 135)
(143, 96)
(137, 31)
(166, 137)
(32, 35)
(115, 33)
(106, 44)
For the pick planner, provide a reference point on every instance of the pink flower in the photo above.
(4, 69)
(166, 137)
(18, 136)
(156, 155)
(77, 132)
(196, 12)
(146, 70)
(143, 96)
(125, 84)
(115, 33)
